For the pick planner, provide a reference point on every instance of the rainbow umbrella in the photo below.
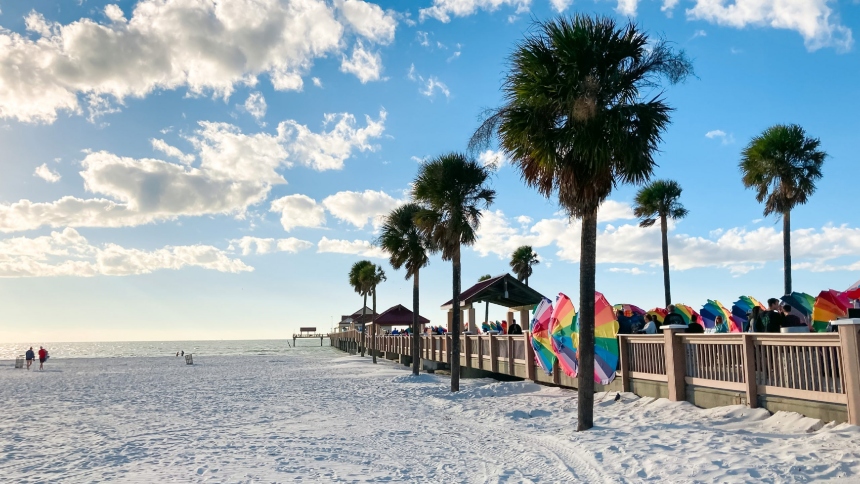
(659, 313)
(853, 291)
(605, 340)
(829, 305)
(565, 339)
(686, 313)
(629, 316)
(541, 340)
(504, 327)
(802, 302)
(711, 310)
(485, 327)
(742, 307)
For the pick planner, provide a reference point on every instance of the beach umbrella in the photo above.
(659, 313)
(711, 310)
(829, 305)
(630, 316)
(801, 306)
(504, 327)
(744, 306)
(541, 340)
(605, 340)
(565, 338)
(853, 291)
(686, 312)
(485, 327)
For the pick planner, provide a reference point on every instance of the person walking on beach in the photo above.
(43, 355)
(182, 353)
(30, 357)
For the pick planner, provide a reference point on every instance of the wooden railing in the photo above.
(819, 367)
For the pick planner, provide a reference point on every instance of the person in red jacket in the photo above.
(43, 355)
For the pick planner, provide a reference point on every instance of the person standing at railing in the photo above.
(773, 318)
(790, 320)
(720, 326)
(650, 325)
(756, 321)
(694, 326)
(515, 328)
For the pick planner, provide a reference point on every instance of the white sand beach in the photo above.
(315, 415)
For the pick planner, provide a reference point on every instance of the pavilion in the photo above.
(503, 290)
(398, 315)
(349, 321)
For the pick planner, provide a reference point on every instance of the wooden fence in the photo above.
(816, 367)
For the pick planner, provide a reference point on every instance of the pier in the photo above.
(309, 333)
(814, 374)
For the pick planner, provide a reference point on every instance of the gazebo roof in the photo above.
(504, 290)
(356, 317)
(398, 316)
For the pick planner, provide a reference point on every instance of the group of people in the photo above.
(30, 356)
(770, 320)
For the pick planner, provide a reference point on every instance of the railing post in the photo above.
(849, 341)
(530, 356)
(675, 364)
(494, 354)
(624, 355)
(511, 356)
(749, 370)
(467, 344)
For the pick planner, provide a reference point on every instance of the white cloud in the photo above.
(627, 7)
(496, 159)
(256, 245)
(432, 85)
(423, 38)
(737, 249)
(812, 19)
(45, 173)
(203, 46)
(67, 253)
(299, 211)
(634, 271)
(363, 64)
(560, 5)
(236, 170)
(359, 208)
(442, 10)
(696, 34)
(726, 139)
(255, 105)
(317, 82)
(328, 150)
(171, 151)
(369, 20)
(355, 247)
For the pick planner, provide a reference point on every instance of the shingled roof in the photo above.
(398, 316)
(504, 290)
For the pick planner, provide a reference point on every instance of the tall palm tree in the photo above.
(451, 189)
(522, 261)
(782, 165)
(406, 247)
(376, 276)
(581, 116)
(659, 200)
(483, 278)
(359, 279)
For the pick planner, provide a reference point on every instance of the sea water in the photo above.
(157, 348)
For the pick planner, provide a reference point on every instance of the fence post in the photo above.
(530, 355)
(494, 354)
(467, 345)
(749, 370)
(511, 356)
(849, 340)
(675, 364)
(624, 364)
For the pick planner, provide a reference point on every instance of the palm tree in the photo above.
(406, 247)
(580, 117)
(359, 279)
(451, 190)
(483, 278)
(376, 276)
(522, 261)
(659, 200)
(782, 165)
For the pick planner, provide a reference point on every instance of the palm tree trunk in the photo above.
(363, 327)
(527, 281)
(416, 361)
(587, 272)
(373, 327)
(786, 249)
(664, 231)
(455, 324)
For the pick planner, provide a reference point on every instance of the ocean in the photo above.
(122, 349)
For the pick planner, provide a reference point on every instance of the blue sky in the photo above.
(173, 170)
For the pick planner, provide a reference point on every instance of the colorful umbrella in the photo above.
(605, 340)
(687, 313)
(485, 327)
(853, 291)
(565, 339)
(802, 302)
(629, 317)
(829, 305)
(658, 313)
(504, 327)
(742, 307)
(541, 340)
(711, 310)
